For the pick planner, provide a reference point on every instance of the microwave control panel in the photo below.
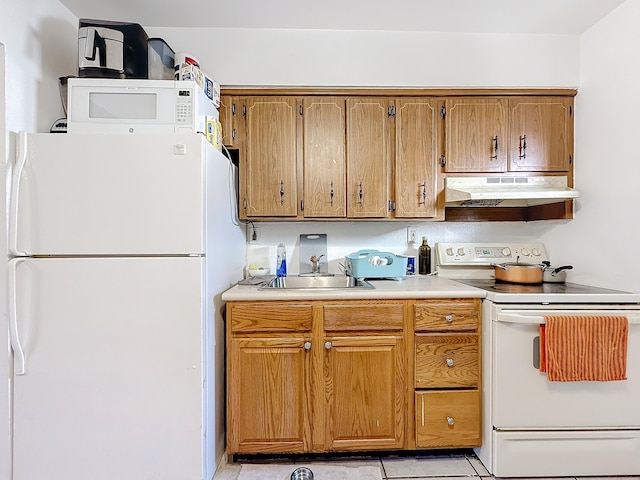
(184, 107)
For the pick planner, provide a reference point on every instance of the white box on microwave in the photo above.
(188, 71)
(107, 105)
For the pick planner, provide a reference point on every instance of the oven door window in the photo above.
(524, 398)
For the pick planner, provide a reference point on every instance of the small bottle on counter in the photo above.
(281, 261)
(424, 258)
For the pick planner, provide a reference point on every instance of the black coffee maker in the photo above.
(108, 49)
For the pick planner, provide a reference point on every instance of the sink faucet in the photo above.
(315, 263)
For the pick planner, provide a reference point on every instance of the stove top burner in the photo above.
(537, 289)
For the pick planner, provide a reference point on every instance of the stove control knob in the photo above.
(461, 251)
(525, 252)
(506, 252)
(449, 251)
(536, 252)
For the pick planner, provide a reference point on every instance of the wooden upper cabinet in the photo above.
(269, 168)
(227, 120)
(417, 137)
(476, 131)
(368, 150)
(541, 134)
(323, 145)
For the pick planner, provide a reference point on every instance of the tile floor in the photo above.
(396, 467)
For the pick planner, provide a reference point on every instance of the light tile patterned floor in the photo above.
(398, 467)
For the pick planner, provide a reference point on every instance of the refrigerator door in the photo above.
(113, 377)
(94, 194)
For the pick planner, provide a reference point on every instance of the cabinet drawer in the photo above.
(269, 317)
(362, 317)
(448, 419)
(446, 361)
(450, 316)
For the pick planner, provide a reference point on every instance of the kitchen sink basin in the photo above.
(317, 282)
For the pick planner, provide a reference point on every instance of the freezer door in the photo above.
(87, 194)
(113, 376)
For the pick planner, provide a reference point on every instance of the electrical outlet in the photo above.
(412, 235)
(254, 234)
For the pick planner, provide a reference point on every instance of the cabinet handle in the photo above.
(449, 318)
(424, 194)
(360, 194)
(327, 345)
(450, 420)
(331, 193)
(495, 148)
(522, 147)
(281, 192)
(450, 362)
(307, 345)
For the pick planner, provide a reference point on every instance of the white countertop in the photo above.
(414, 286)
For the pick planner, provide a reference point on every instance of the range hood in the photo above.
(506, 191)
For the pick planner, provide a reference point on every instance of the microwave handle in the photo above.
(539, 319)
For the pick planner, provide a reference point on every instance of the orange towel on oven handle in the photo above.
(585, 347)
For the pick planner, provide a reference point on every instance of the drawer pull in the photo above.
(327, 345)
(450, 420)
(450, 362)
(307, 345)
(449, 318)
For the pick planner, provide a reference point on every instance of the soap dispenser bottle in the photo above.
(281, 261)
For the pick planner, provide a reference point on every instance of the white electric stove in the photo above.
(533, 427)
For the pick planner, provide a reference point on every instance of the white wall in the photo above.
(377, 58)
(607, 157)
(40, 38)
(5, 439)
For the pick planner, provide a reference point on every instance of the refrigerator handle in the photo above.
(19, 360)
(14, 195)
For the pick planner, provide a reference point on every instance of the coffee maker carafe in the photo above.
(108, 49)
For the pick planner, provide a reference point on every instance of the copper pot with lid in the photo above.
(516, 272)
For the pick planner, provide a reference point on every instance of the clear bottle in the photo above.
(281, 261)
(424, 258)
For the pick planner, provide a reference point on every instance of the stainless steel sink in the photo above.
(317, 282)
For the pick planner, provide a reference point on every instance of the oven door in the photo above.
(523, 398)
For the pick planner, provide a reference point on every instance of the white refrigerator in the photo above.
(120, 247)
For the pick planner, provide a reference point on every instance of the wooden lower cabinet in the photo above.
(268, 397)
(365, 393)
(448, 419)
(330, 376)
(447, 373)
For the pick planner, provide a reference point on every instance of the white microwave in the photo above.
(99, 105)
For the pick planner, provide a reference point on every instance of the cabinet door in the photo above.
(416, 149)
(365, 393)
(368, 150)
(269, 169)
(541, 134)
(268, 388)
(448, 419)
(227, 119)
(324, 157)
(476, 131)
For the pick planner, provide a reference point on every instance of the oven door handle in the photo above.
(634, 318)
